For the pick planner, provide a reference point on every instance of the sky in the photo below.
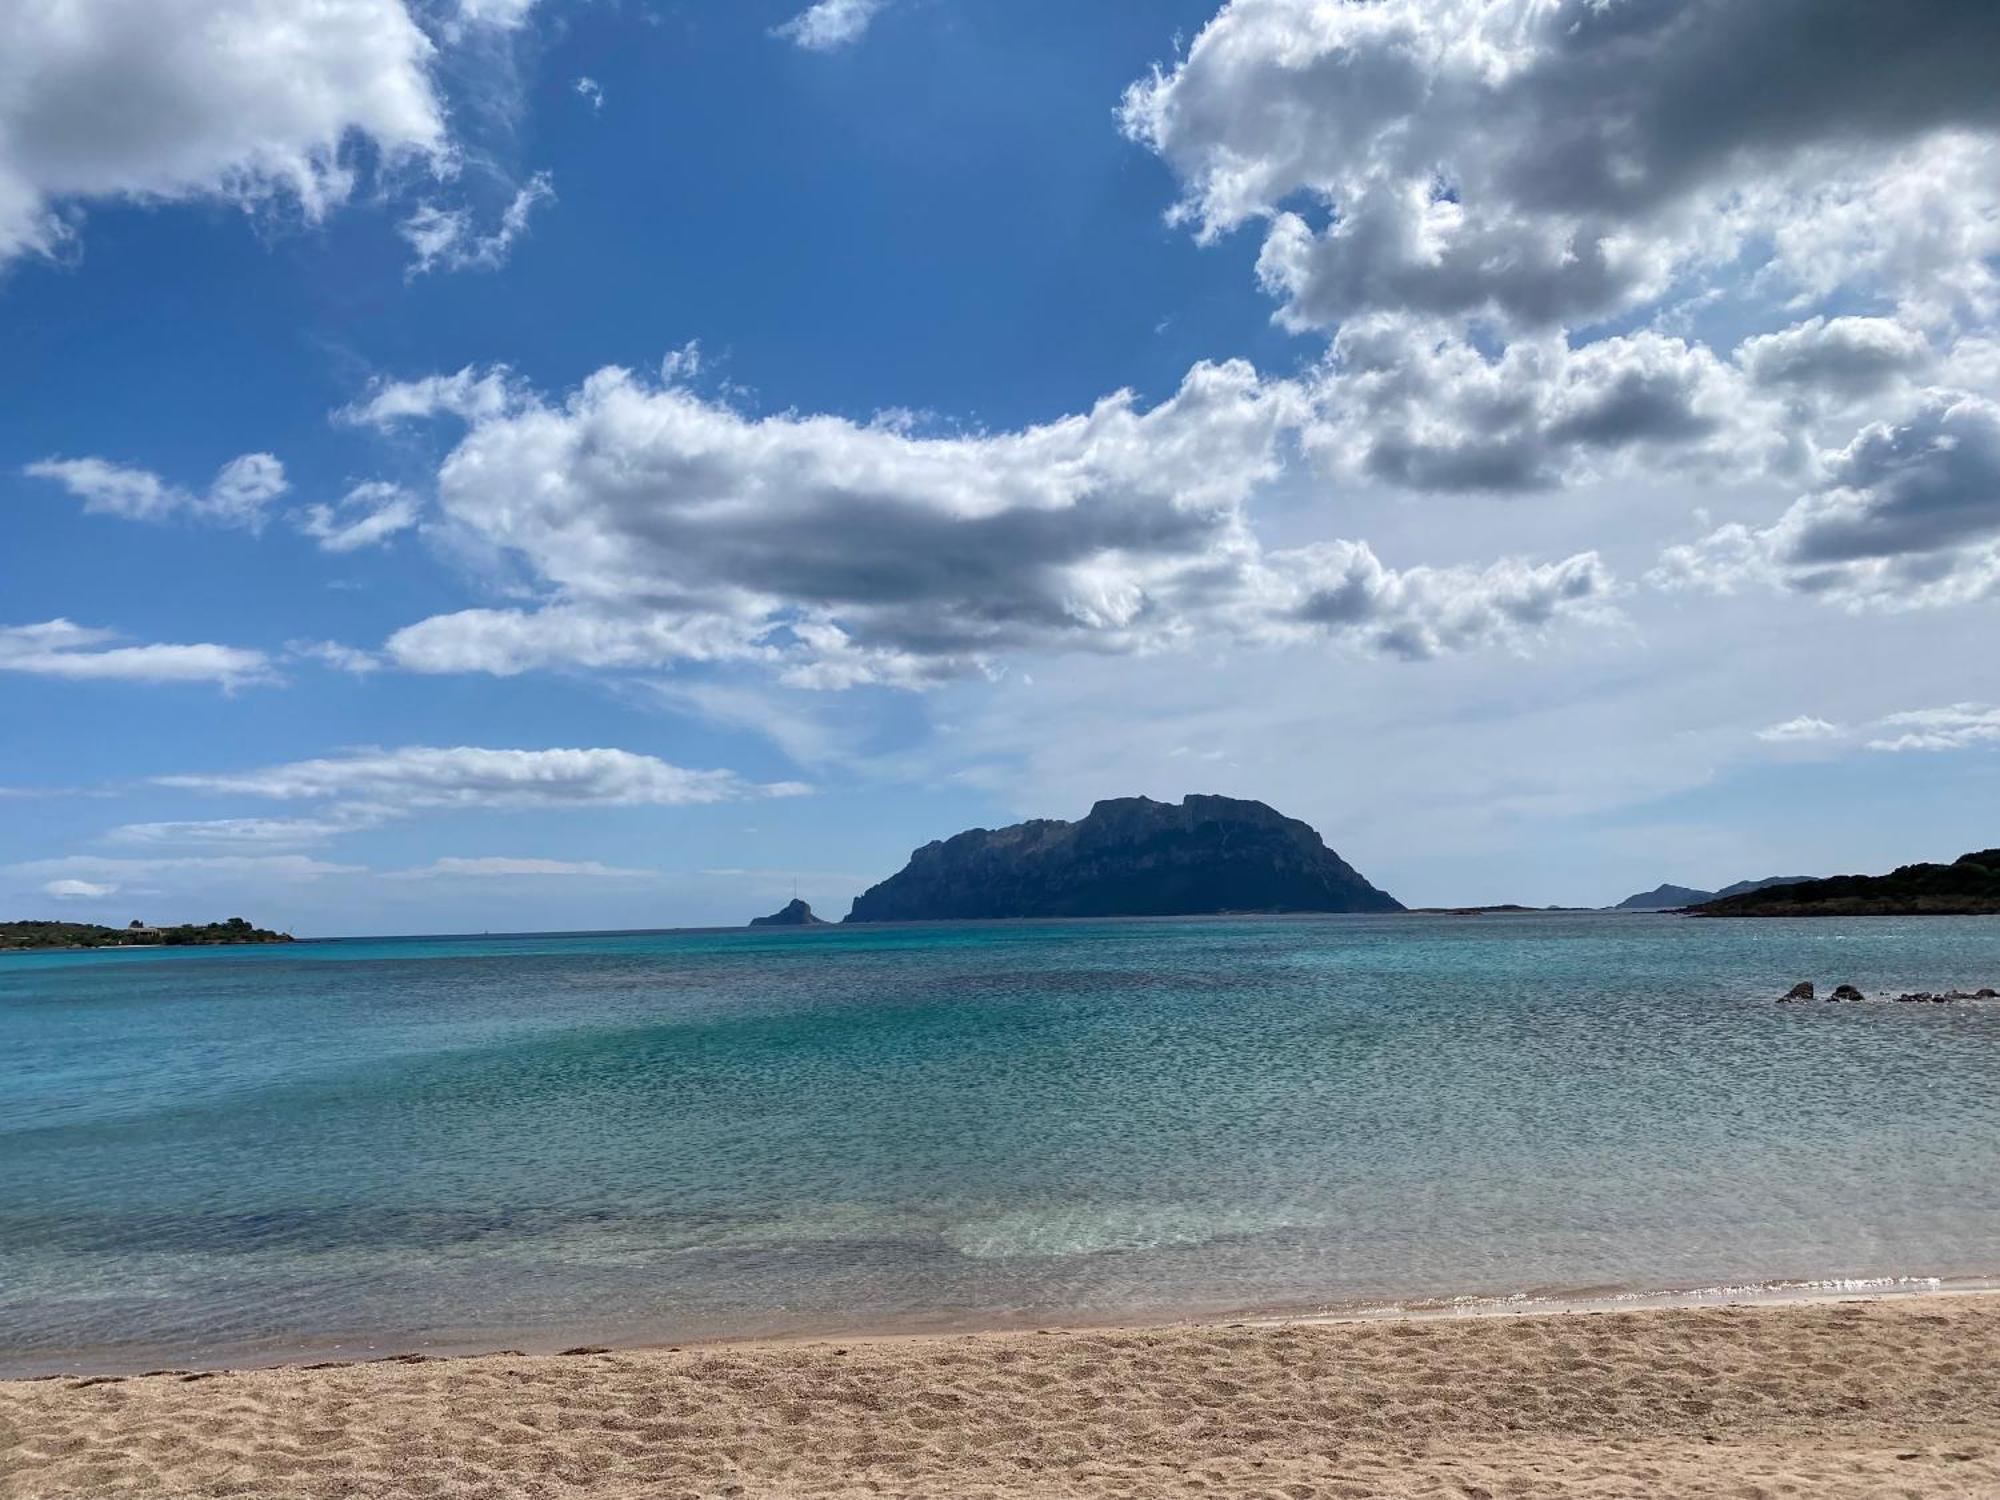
(554, 464)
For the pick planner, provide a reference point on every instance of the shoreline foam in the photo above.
(126, 1362)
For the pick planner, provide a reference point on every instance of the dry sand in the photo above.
(1831, 1399)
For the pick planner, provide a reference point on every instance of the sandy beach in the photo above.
(1825, 1399)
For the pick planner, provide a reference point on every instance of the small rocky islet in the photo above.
(1804, 992)
(794, 913)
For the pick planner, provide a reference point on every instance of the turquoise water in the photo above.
(248, 1153)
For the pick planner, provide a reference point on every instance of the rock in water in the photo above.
(1132, 857)
(1803, 990)
(1846, 992)
(794, 913)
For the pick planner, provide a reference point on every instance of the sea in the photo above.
(369, 1146)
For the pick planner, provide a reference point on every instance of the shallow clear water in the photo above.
(248, 1152)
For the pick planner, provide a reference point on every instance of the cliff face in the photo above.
(1969, 886)
(1131, 857)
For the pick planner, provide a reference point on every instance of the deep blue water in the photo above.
(466, 1142)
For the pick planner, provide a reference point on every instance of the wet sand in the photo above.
(1862, 1398)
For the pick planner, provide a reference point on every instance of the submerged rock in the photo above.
(1846, 992)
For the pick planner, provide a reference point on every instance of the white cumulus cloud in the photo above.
(1845, 357)
(1410, 403)
(1518, 222)
(1422, 612)
(1906, 516)
(1556, 161)
(160, 100)
(665, 526)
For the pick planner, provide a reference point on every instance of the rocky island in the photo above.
(794, 913)
(1967, 887)
(137, 935)
(1131, 857)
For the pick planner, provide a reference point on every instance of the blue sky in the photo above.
(1022, 404)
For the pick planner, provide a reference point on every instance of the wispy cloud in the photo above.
(237, 496)
(78, 890)
(419, 777)
(1956, 726)
(1805, 729)
(241, 832)
(447, 239)
(333, 654)
(97, 869)
(61, 648)
(365, 516)
(496, 867)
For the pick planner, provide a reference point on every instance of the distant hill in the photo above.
(1504, 909)
(1671, 897)
(1744, 887)
(1969, 886)
(794, 913)
(93, 935)
(1131, 856)
(1664, 898)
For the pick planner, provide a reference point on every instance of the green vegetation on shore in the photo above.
(1969, 886)
(138, 935)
